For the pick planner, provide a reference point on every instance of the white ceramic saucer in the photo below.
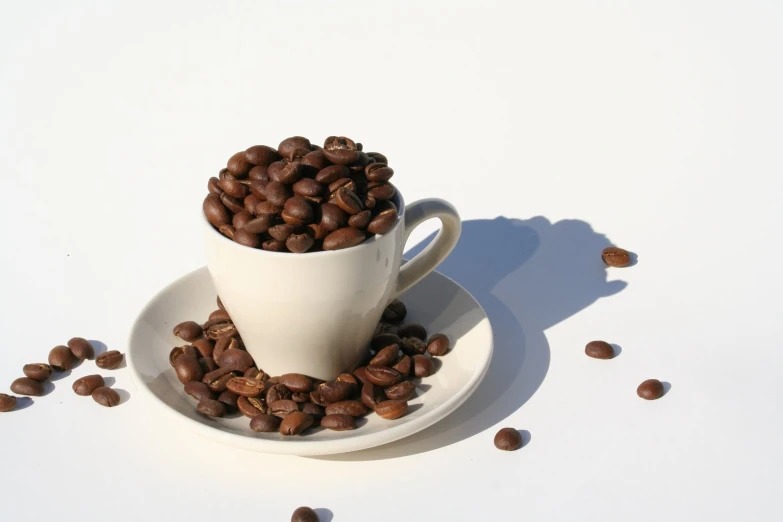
(437, 302)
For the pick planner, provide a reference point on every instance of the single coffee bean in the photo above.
(175, 353)
(315, 411)
(343, 238)
(212, 322)
(360, 220)
(211, 408)
(299, 153)
(282, 408)
(277, 392)
(296, 382)
(251, 201)
(258, 173)
(340, 150)
(7, 402)
(383, 222)
(274, 168)
(273, 245)
(237, 360)
(438, 344)
(204, 346)
(650, 390)
(188, 331)
(413, 330)
(315, 397)
(227, 230)
(240, 220)
(254, 373)
(380, 190)
(61, 358)
(109, 360)
(392, 409)
(308, 188)
(404, 365)
(246, 387)
(372, 395)
(300, 397)
(207, 364)
(387, 356)
(359, 165)
(289, 145)
(383, 376)
(259, 225)
(338, 422)
(261, 155)
(233, 188)
(277, 193)
(403, 391)
(616, 257)
(188, 369)
(508, 439)
(88, 384)
(264, 423)
(599, 350)
(212, 186)
(258, 189)
(289, 173)
(337, 391)
(347, 377)
(235, 205)
(332, 173)
(342, 183)
(395, 312)
(352, 408)
(250, 407)
(422, 366)
(218, 315)
(295, 423)
(304, 514)
(218, 330)
(27, 386)
(379, 158)
(413, 345)
(332, 217)
(238, 165)
(215, 211)
(315, 161)
(224, 343)
(37, 371)
(361, 374)
(245, 238)
(81, 348)
(378, 172)
(218, 379)
(297, 211)
(299, 243)
(106, 396)
(348, 201)
(282, 231)
(229, 400)
(199, 391)
(370, 202)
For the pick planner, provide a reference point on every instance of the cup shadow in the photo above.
(528, 275)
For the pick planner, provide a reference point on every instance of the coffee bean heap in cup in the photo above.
(218, 373)
(301, 197)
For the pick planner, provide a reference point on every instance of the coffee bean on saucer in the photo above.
(372, 395)
(106, 396)
(315, 411)
(246, 387)
(282, 408)
(237, 360)
(204, 346)
(251, 407)
(387, 356)
(404, 365)
(337, 391)
(199, 391)
(383, 376)
(207, 364)
(7, 402)
(188, 369)
(296, 382)
(211, 408)
(413, 345)
(379, 342)
(422, 366)
(109, 360)
(438, 344)
(352, 408)
(218, 379)
(81, 348)
(188, 331)
(395, 312)
(61, 358)
(392, 409)
(508, 439)
(88, 384)
(315, 398)
(295, 423)
(27, 386)
(650, 390)
(412, 330)
(304, 514)
(229, 400)
(347, 377)
(599, 350)
(277, 392)
(401, 392)
(338, 422)
(265, 423)
(37, 371)
(361, 374)
(617, 257)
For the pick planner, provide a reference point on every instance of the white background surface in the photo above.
(656, 124)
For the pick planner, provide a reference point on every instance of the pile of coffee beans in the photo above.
(301, 197)
(62, 358)
(217, 372)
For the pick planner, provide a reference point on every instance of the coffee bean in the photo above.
(37, 371)
(337, 391)
(289, 173)
(617, 257)
(277, 193)
(238, 165)
(282, 407)
(86, 385)
(218, 330)
(61, 358)
(254, 373)
(393, 409)
(304, 514)
(258, 189)
(381, 341)
(383, 222)
(343, 238)
(240, 220)
(258, 173)
(246, 387)
(378, 157)
(360, 220)
(217, 315)
(264, 423)
(295, 423)
(340, 150)
(650, 389)
(413, 330)
(315, 411)
(508, 439)
(347, 377)
(438, 344)
(332, 173)
(7, 402)
(358, 166)
(296, 382)
(308, 188)
(332, 217)
(251, 407)
(207, 364)
(378, 172)
(383, 376)
(348, 201)
(188, 369)
(380, 190)
(404, 365)
(395, 312)
(299, 243)
(387, 356)
(211, 408)
(370, 202)
(372, 395)
(599, 350)
(81, 348)
(315, 397)
(229, 400)
(282, 231)
(261, 155)
(215, 211)
(315, 160)
(212, 186)
(361, 374)
(218, 379)
(277, 392)
(204, 346)
(199, 391)
(403, 391)
(237, 360)
(338, 422)
(233, 188)
(342, 183)
(27, 386)
(188, 331)
(224, 343)
(259, 225)
(413, 345)
(175, 353)
(106, 396)
(227, 230)
(109, 360)
(245, 238)
(422, 366)
(352, 408)
(297, 211)
(251, 202)
(289, 145)
(274, 245)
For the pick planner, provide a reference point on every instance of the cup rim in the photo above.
(367, 243)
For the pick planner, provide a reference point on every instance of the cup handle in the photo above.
(425, 262)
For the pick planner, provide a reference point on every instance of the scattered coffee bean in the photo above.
(383, 376)
(337, 391)
(61, 358)
(295, 423)
(246, 387)
(199, 391)
(599, 350)
(508, 439)
(352, 408)
(37, 371)
(304, 514)
(229, 400)
(404, 365)
(81, 348)
(88, 384)
(236, 360)
(106, 396)
(338, 422)
(616, 257)
(395, 312)
(188, 331)
(296, 382)
(251, 407)
(422, 366)
(7, 402)
(438, 345)
(372, 395)
(211, 408)
(27, 386)
(413, 345)
(264, 423)
(282, 408)
(401, 392)
(188, 369)
(392, 409)
(218, 379)
(650, 390)
(387, 356)
(109, 360)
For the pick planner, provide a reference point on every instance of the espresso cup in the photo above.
(315, 313)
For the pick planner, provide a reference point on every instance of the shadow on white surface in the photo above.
(666, 387)
(528, 275)
(22, 403)
(124, 396)
(98, 346)
(324, 515)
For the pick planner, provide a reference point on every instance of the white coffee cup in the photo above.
(315, 313)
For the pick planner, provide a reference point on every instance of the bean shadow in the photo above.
(666, 387)
(528, 275)
(22, 403)
(98, 346)
(109, 381)
(124, 395)
(57, 375)
(324, 515)
(617, 349)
